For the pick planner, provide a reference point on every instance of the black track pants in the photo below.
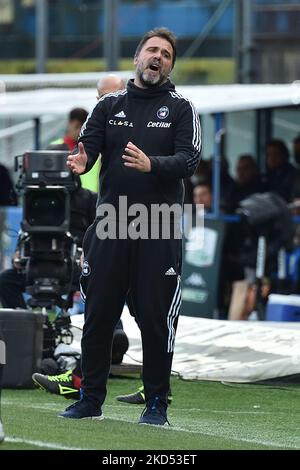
(147, 273)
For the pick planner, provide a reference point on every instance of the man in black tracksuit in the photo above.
(149, 139)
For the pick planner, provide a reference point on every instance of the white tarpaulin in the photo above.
(233, 351)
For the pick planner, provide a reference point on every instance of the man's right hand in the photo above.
(78, 161)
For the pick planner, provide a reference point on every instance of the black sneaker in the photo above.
(138, 398)
(120, 345)
(155, 413)
(82, 409)
(61, 384)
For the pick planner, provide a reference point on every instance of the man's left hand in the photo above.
(136, 158)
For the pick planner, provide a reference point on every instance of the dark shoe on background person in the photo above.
(49, 367)
(155, 413)
(119, 346)
(138, 398)
(61, 384)
(85, 408)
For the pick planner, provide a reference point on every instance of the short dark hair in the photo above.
(281, 146)
(78, 114)
(248, 157)
(203, 183)
(163, 33)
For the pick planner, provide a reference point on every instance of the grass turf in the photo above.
(204, 415)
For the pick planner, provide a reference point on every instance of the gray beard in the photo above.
(147, 81)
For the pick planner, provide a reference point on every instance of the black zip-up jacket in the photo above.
(163, 124)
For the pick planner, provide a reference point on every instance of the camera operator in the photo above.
(82, 215)
(13, 281)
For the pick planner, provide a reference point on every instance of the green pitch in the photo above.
(204, 415)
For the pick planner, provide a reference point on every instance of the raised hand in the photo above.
(78, 161)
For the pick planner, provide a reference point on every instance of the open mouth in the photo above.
(153, 67)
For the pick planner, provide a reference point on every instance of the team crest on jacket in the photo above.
(86, 269)
(163, 112)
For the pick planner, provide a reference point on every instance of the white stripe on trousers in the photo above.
(82, 294)
(173, 314)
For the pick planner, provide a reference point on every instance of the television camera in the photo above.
(48, 252)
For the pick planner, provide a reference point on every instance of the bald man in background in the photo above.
(108, 84)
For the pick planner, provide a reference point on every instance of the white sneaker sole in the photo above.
(96, 418)
(152, 424)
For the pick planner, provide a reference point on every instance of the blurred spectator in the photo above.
(228, 188)
(280, 174)
(296, 154)
(8, 195)
(296, 212)
(77, 117)
(202, 195)
(202, 174)
(247, 177)
(296, 150)
(109, 84)
(230, 265)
